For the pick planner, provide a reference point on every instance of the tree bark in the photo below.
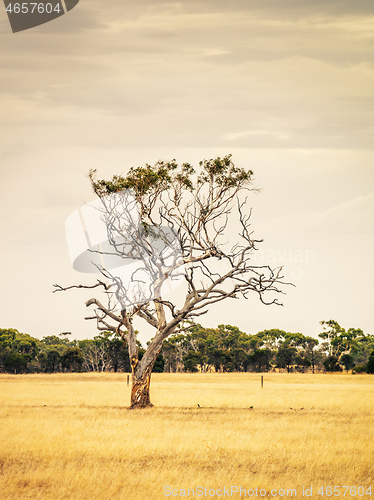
(140, 388)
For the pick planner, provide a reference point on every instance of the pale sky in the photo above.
(286, 86)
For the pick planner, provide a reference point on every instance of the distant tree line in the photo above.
(221, 349)
(21, 353)
(227, 349)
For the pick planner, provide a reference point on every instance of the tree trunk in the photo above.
(140, 388)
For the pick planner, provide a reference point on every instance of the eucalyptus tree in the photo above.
(191, 228)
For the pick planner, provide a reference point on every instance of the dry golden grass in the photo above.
(71, 436)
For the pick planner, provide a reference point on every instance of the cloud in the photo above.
(294, 74)
(248, 133)
(352, 217)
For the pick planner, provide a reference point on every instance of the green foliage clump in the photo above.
(370, 365)
(331, 364)
(167, 174)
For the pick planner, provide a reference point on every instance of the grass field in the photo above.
(71, 436)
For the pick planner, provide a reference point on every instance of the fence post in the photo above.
(128, 379)
(262, 381)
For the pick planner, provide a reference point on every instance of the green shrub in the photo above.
(360, 369)
(370, 365)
